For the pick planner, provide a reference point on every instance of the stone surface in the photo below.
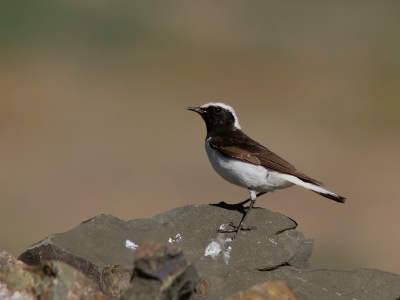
(360, 284)
(103, 247)
(161, 272)
(49, 281)
(353, 285)
(271, 290)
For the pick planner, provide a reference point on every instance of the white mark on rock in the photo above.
(223, 227)
(130, 245)
(216, 246)
(273, 241)
(227, 254)
(338, 294)
(176, 239)
(324, 289)
(213, 249)
(301, 279)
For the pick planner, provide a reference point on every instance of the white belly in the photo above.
(245, 174)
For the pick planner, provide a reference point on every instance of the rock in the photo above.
(321, 284)
(103, 247)
(271, 290)
(50, 281)
(161, 272)
(202, 288)
(6, 259)
(328, 284)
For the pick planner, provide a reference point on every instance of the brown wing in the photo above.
(240, 153)
(238, 145)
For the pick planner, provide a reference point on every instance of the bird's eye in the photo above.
(217, 110)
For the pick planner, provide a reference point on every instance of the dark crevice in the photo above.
(273, 268)
(49, 271)
(286, 229)
(139, 273)
(295, 226)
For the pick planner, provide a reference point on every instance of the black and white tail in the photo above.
(313, 187)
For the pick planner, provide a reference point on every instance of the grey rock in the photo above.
(101, 247)
(360, 284)
(50, 281)
(96, 247)
(161, 272)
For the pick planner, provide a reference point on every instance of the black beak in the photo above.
(196, 109)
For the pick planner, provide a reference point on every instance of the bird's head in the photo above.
(218, 117)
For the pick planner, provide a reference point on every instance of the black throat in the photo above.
(218, 124)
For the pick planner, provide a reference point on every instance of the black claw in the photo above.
(241, 226)
(236, 229)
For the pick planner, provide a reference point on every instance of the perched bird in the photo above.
(244, 162)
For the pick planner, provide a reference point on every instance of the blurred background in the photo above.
(93, 119)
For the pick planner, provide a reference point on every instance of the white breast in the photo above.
(245, 174)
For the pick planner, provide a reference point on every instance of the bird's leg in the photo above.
(248, 200)
(241, 226)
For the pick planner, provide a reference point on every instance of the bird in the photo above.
(242, 161)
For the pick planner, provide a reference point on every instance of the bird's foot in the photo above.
(236, 228)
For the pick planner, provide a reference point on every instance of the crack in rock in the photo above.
(365, 286)
(273, 268)
(286, 229)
